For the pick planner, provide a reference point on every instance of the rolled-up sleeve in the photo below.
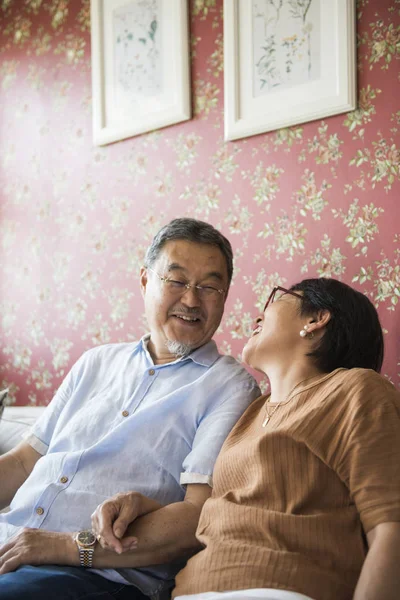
(39, 436)
(211, 433)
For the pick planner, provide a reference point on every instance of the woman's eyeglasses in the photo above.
(283, 291)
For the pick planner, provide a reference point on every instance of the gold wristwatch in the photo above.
(86, 541)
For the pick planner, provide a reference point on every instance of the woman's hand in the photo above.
(111, 519)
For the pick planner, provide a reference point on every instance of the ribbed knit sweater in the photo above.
(292, 501)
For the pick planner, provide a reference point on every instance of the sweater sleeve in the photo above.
(369, 457)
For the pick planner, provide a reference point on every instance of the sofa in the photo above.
(14, 422)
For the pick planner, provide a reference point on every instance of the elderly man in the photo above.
(149, 416)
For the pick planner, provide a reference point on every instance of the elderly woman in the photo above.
(306, 489)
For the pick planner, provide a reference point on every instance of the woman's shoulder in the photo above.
(364, 386)
(363, 378)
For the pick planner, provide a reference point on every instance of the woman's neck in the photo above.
(284, 380)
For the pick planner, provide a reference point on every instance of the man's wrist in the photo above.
(85, 542)
(141, 504)
(72, 550)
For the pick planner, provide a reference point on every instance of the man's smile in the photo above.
(189, 319)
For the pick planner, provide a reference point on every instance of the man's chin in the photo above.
(179, 349)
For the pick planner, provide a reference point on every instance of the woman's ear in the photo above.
(319, 321)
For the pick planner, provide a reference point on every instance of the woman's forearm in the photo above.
(380, 575)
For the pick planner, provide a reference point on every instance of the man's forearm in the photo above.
(164, 535)
(12, 476)
(380, 575)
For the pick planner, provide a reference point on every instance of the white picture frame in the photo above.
(274, 80)
(140, 67)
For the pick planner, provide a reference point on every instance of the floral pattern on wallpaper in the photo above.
(316, 200)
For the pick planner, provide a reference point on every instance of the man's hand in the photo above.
(38, 547)
(111, 519)
(164, 533)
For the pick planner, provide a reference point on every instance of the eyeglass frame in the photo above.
(187, 286)
(282, 289)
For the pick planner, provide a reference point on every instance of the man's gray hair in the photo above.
(190, 230)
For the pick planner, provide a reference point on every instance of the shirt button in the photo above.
(39, 510)
(64, 479)
(151, 372)
(125, 413)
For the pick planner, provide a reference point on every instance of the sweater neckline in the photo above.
(307, 386)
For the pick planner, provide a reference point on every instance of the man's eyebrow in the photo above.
(177, 267)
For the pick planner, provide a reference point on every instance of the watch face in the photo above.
(86, 538)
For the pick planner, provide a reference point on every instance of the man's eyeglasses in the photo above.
(282, 291)
(174, 286)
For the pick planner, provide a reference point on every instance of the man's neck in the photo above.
(165, 354)
(160, 356)
(164, 361)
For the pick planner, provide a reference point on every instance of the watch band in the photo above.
(86, 542)
(86, 557)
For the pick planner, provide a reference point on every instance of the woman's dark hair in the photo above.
(353, 336)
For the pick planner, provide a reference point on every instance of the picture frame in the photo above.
(140, 67)
(287, 62)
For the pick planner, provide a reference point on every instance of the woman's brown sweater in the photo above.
(292, 501)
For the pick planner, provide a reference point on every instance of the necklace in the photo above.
(268, 414)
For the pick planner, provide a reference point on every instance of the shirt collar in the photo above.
(206, 355)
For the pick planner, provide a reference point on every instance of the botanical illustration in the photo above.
(137, 50)
(286, 43)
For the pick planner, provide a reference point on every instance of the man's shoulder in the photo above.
(229, 371)
(231, 363)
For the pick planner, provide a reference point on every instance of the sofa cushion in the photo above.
(16, 421)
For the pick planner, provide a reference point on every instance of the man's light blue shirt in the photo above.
(118, 423)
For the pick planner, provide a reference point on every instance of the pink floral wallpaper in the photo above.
(320, 199)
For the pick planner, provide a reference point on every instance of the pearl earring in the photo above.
(304, 331)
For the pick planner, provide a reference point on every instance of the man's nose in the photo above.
(191, 296)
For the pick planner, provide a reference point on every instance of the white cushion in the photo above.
(16, 420)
